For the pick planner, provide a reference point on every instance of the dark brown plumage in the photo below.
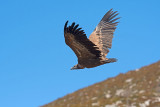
(92, 52)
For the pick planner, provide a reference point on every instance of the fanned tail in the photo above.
(110, 60)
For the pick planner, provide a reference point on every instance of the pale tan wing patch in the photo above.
(103, 34)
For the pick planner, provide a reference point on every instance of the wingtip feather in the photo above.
(65, 26)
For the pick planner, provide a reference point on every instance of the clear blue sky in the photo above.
(35, 62)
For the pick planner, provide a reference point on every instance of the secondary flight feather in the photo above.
(92, 52)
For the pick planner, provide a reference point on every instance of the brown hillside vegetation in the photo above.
(138, 88)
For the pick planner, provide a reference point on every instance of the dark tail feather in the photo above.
(110, 60)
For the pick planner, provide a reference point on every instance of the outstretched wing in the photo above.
(103, 33)
(77, 40)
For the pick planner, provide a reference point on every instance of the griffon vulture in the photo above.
(92, 52)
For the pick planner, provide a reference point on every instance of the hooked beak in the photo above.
(73, 68)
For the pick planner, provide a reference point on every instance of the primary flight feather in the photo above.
(92, 52)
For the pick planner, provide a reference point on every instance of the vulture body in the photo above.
(92, 52)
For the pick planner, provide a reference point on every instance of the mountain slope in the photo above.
(138, 88)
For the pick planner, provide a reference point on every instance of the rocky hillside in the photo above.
(138, 88)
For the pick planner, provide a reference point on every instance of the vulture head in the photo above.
(78, 66)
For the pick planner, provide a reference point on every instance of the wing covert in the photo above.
(77, 40)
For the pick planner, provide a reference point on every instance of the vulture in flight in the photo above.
(92, 52)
